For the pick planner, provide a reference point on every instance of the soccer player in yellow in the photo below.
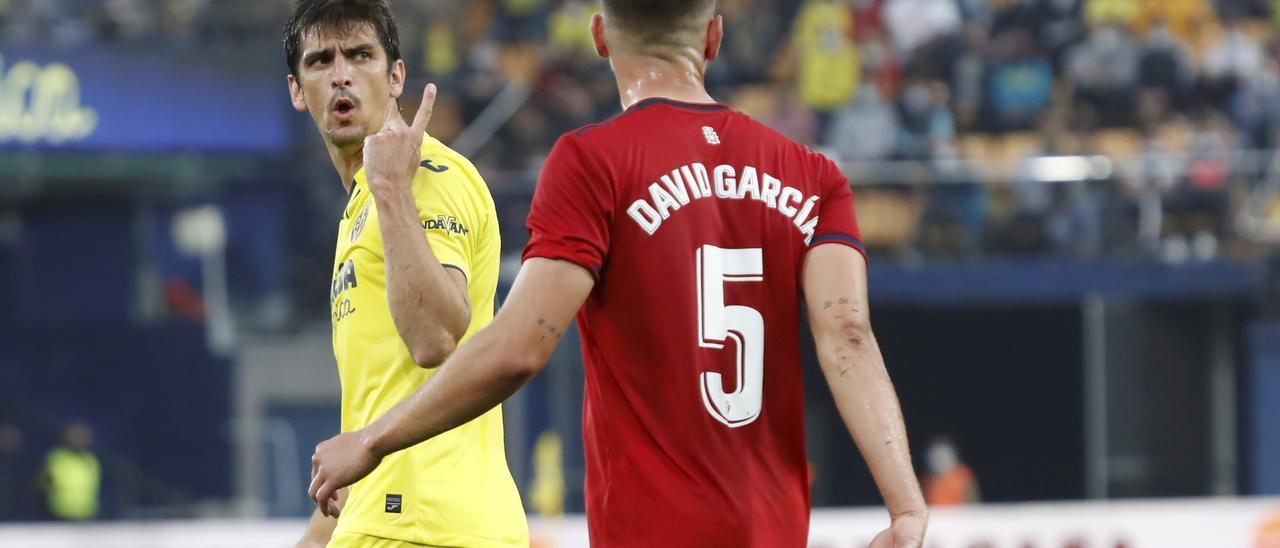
(414, 275)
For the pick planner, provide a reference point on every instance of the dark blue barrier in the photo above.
(158, 402)
(1046, 281)
(1263, 382)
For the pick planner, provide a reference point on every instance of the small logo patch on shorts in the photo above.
(393, 504)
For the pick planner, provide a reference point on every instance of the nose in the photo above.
(340, 74)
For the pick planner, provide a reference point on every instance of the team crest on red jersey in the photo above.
(710, 135)
(358, 227)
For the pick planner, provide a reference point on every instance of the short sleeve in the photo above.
(837, 221)
(448, 213)
(572, 209)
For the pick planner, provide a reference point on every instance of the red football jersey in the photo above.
(695, 220)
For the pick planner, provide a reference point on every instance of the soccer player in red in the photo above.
(685, 237)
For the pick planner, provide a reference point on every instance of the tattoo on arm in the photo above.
(852, 304)
(550, 329)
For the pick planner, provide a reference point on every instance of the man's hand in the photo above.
(392, 155)
(907, 531)
(338, 462)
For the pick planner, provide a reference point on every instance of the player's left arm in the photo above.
(492, 365)
(834, 280)
(835, 291)
(428, 302)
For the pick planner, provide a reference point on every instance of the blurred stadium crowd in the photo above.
(1188, 82)
(1174, 92)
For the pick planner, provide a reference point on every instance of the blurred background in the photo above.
(1072, 209)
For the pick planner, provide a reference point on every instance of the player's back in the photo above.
(696, 220)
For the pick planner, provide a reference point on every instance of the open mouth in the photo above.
(343, 108)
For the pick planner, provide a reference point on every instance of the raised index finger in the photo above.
(423, 117)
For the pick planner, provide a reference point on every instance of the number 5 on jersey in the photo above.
(743, 324)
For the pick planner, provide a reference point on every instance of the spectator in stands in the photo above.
(440, 58)
(791, 117)
(1156, 173)
(866, 129)
(519, 20)
(868, 17)
(881, 66)
(928, 128)
(1111, 12)
(827, 57)
(1064, 28)
(1053, 24)
(1256, 107)
(570, 29)
(1198, 207)
(1186, 19)
(1227, 63)
(32, 22)
(1104, 69)
(979, 12)
(916, 23)
(1021, 81)
(72, 476)
(948, 482)
(749, 56)
(968, 81)
(1166, 64)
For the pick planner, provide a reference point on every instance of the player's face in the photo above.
(344, 82)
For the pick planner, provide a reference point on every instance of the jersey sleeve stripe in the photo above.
(840, 239)
(458, 268)
(555, 253)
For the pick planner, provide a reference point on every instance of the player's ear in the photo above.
(295, 95)
(396, 75)
(597, 35)
(715, 36)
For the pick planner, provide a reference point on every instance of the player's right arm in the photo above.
(491, 366)
(835, 290)
(569, 230)
(320, 528)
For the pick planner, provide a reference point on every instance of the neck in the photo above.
(643, 77)
(347, 161)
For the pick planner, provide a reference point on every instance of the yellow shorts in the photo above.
(357, 540)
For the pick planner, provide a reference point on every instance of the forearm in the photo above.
(864, 395)
(319, 530)
(320, 527)
(494, 363)
(476, 378)
(426, 306)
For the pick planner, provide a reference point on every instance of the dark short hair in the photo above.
(652, 18)
(340, 15)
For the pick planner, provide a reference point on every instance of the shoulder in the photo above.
(812, 162)
(445, 172)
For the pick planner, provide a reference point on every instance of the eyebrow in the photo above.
(316, 55)
(360, 48)
(327, 53)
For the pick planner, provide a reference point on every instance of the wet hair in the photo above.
(658, 21)
(342, 16)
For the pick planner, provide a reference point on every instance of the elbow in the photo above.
(526, 366)
(854, 331)
(432, 352)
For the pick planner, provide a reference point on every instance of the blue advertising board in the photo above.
(150, 101)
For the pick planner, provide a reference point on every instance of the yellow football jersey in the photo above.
(456, 489)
